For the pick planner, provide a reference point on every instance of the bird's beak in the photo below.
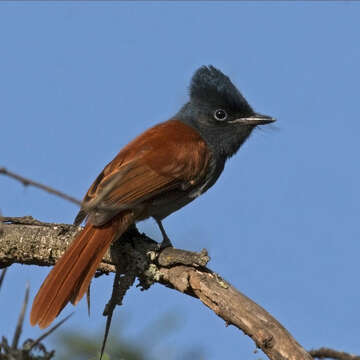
(256, 119)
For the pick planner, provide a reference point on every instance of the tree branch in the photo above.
(29, 182)
(29, 346)
(326, 353)
(28, 241)
(177, 269)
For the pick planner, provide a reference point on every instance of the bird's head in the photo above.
(219, 111)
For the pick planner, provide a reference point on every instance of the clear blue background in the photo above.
(80, 80)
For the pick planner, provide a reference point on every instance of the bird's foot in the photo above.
(165, 243)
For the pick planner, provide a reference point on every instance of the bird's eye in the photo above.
(220, 115)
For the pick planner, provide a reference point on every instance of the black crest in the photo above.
(210, 85)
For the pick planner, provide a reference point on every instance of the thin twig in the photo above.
(20, 322)
(1, 225)
(326, 353)
(88, 299)
(2, 276)
(108, 312)
(120, 287)
(47, 333)
(28, 182)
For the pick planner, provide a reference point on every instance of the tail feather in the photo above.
(71, 276)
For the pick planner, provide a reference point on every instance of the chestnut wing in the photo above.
(168, 156)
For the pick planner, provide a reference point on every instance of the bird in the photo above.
(156, 174)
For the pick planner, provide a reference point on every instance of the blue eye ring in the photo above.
(220, 115)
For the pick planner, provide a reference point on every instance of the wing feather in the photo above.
(168, 156)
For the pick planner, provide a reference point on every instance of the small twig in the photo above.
(120, 287)
(88, 299)
(1, 225)
(326, 353)
(25, 220)
(108, 312)
(20, 322)
(47, 333)
(2, 276)
(28, 182)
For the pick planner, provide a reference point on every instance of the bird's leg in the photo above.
(166, 241)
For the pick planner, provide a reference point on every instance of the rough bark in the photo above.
(28, 241)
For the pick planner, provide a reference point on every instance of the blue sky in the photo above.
(80, 80)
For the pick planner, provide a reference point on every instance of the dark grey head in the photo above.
(219, 112)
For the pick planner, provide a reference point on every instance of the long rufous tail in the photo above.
(71, 276)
